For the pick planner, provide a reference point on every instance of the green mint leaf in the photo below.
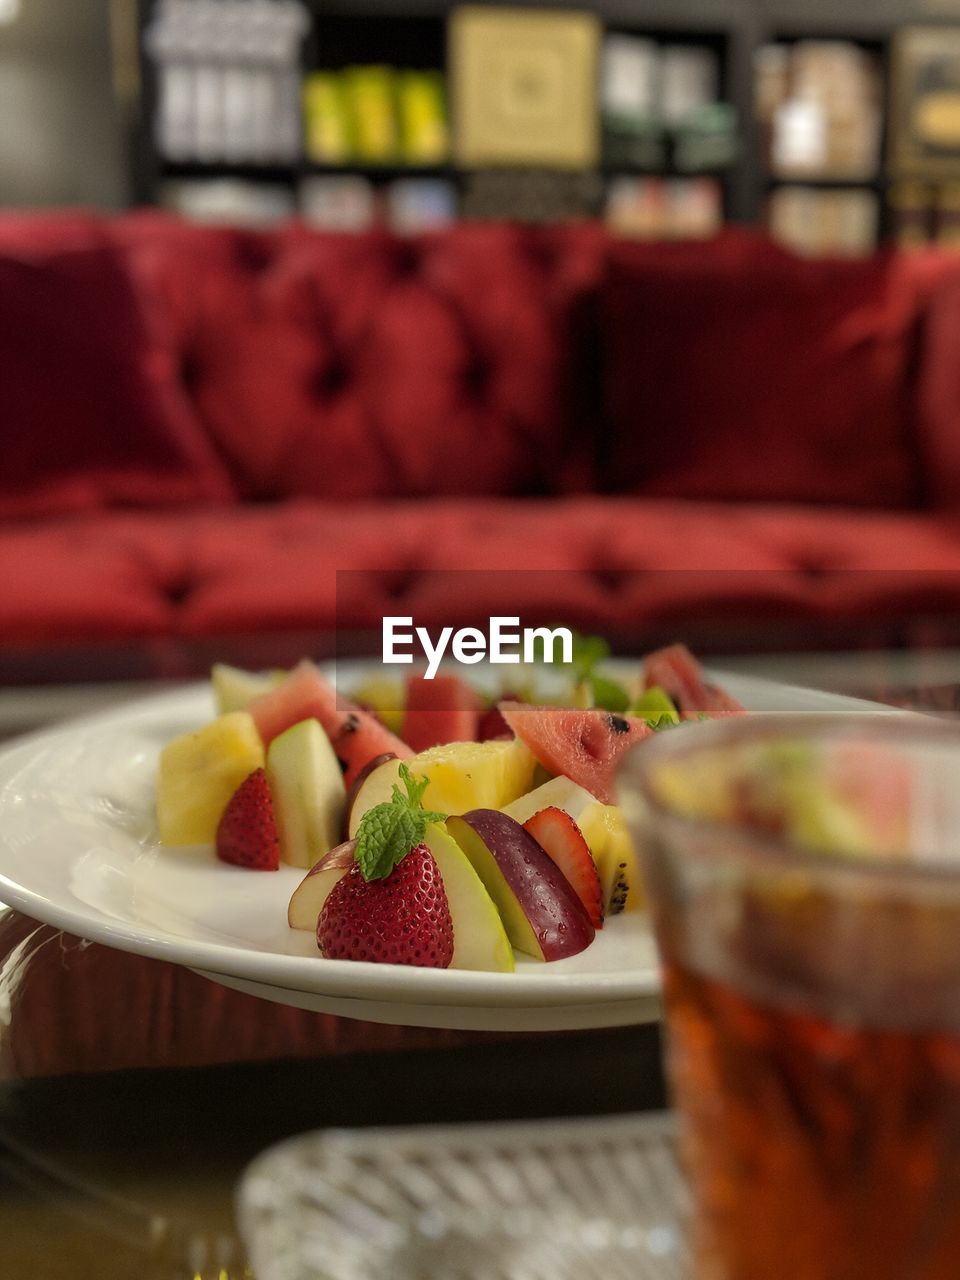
(414, 788)
(388, 831)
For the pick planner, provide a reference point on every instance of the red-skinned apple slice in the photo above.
(306, 901)
(540, 910)
(356, 785)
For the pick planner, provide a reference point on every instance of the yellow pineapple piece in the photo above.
(198, 774)
(474, 775)
(462, 776)
(605, 831)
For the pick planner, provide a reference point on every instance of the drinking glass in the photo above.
(804, 882)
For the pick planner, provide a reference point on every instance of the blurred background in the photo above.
(835, 124)
(302, 302)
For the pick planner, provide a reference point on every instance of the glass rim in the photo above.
(896, 727)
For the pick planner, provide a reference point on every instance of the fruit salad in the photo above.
(434, 826)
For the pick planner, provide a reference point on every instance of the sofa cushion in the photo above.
(735, 370)
(74, 579)
(345, 367)
(93, 418)
(312, 571)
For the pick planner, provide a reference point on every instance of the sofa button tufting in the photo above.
(406, 259)
(330, 381)
(476, 378)
(814, 570)
(190, 371)
(612, 581)
(178, 590)
(397, 583)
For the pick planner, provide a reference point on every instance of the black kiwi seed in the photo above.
(620, 892)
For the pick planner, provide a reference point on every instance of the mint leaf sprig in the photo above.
(388, 831)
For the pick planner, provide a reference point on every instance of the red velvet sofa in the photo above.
(203, 426)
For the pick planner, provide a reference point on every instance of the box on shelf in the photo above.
(422, 110)
(228, 80)
(229, 200)
(531, 195)
(415, 205)
(375, 115)
(660, 106)
(645, 208)
(817, 222)
(689, 81)
(925, 103)
(338, 202)
(818, 105)
(525, 86)
(326, 119)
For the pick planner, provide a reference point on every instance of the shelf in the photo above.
(414, 33)
(876, 183)
(243, 171)
(380, 172)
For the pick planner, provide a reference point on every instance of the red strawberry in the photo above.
(560, 837)
(403, 918)
(247, 832)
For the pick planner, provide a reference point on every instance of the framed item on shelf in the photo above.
(925, 105)
(524, 85)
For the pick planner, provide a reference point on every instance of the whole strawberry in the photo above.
(401, 918)
(247, 832)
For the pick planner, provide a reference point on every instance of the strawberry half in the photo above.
(247, 832)
(562, 840)
(402, 918)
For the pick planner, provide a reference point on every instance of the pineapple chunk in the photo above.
(605, 831)
(198, 774)
(462, 776)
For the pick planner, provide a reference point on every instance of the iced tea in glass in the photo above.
(804, 877)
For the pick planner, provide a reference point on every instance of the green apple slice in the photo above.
(479, 938)
(306, 784)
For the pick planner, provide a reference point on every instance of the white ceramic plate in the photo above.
(78, 850)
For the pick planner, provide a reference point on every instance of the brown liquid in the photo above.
(816, 1151)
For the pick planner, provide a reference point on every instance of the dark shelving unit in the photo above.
(414, 33)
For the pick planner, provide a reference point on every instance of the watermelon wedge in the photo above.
(444, 709)
(679, 674)
(356, 735)
(583, 745)
(304, 695)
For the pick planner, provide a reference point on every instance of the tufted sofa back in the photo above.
(348, 367)
(155, 362)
